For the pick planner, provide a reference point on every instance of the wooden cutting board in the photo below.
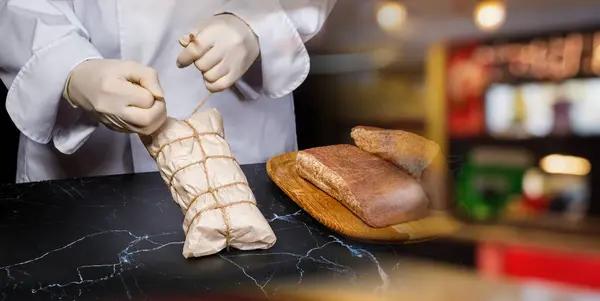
(335, 216)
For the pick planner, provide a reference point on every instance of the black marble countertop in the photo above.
(120, 238)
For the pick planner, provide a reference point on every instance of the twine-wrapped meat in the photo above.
(209, 186)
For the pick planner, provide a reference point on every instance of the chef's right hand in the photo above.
(126, 96)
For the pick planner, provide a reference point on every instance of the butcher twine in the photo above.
(211, 190)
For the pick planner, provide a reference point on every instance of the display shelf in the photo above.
(555, 223)
(530, 237)
(572, 144)
(586, 147)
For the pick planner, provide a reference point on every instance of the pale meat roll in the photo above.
(209, 186)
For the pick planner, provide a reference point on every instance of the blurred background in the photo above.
(509, 90)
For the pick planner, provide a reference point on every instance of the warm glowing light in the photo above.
(490, 14)
(391, 16)
(568, 165)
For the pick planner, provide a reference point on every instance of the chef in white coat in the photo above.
(86, 76)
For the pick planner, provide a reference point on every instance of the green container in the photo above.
(489, 179)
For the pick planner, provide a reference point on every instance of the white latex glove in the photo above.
(223, 48)
(126, 96)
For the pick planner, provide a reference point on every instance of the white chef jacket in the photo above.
(43, 40)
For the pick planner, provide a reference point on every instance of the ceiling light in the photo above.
(490, 14)
(391, 16)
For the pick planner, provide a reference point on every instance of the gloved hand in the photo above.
(126, 96)
(223, 48)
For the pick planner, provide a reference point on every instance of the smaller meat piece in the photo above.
(408, 151)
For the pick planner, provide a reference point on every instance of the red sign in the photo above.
(466, 82)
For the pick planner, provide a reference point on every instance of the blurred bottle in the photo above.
(571, 199)
(562, 114)
(517, 128)
(534, 197)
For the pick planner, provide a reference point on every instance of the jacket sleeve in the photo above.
(282, 27)
(42, 42)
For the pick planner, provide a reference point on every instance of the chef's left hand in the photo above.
(223, 48)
